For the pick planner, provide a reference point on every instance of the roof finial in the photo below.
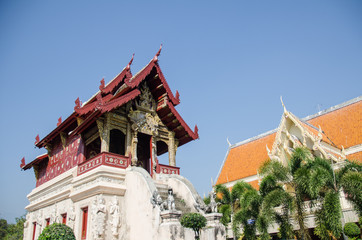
(130, 62)
(22, 162)
(281, 99)
(37, 139)
(77, 104)
(177, 96)
(155, 59)
(59, 121)
(267, 149)
(227, 139)
(101, 87)
(196, 131)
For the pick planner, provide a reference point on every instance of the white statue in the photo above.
(213, 204)
(99, 218)
(156, 200)
(115, 212)
(71, 218)
(171, 200)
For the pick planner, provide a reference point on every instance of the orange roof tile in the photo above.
(255, 184)
(244, 160)
(343, 126)
(355, 156)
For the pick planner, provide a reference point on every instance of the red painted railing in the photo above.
(166, 169)
(104, 158)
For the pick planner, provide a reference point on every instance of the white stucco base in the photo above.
(135, 218)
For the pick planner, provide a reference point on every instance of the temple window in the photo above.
(117, 142)
(47, 221)
(144, 151)
(162, 148)
(34, 230)
(93, 148)
(84, 222)
(64, 218)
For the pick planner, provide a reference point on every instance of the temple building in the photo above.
(335, 134)
(101, 175)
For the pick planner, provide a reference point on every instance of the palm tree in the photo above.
(276, 206)
(230, 202)
(349, 180)
(312, 178)
(294, 178)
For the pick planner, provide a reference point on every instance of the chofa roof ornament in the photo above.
(155, 58)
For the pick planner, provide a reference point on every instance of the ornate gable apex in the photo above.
(293, 132)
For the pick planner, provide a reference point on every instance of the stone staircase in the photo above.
(179, 202)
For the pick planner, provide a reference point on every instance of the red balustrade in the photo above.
(166, 169)
(104, 158)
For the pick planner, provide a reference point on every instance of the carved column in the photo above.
(103, 128)
(153, 155)
(171, 149)
(134, 148)
(128, 140)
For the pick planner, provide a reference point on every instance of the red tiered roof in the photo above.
(122, 89)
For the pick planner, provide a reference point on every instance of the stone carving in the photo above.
(39, 221)
(146, 101)
(99, 217)
(144, 122)
(171, 200)
(200, 206)
(213, 204)
(54, 215)
(115, 213)
(71, 217)
(156, 200)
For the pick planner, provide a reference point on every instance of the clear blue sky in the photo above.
(230, 61)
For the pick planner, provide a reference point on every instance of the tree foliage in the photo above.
(57, 231)
(195, 221)
(351, 230)
(12, 231)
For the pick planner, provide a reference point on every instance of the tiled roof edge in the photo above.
(222, 165)
(254, 138)
(331, 109)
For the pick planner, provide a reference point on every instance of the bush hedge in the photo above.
(57, 231)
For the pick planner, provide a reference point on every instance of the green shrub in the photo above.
(195, 221)
(57, 231)
(351, 230)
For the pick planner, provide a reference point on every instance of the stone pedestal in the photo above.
(214, 229)
(170, 216)
(170, 227)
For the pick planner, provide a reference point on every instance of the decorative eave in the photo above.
(102, 107)
(174, 122)
(62, 126)
(123, 76)
(37, 160)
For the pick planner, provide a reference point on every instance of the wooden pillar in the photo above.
(134, 148)
(103, 128)
(153, 154)
(128, 140)
(171, 149)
